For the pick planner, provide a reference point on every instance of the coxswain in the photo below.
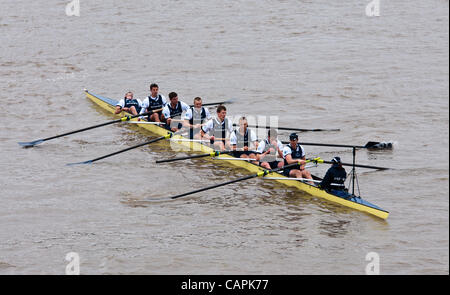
(195, 117)
(268, 149)
(243, 141)
(153, 102)
(294, 153)
(172, 111)
(218, 129)
(129, 104)
(335, 176)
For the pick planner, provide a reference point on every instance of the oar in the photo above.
(259, 174)
(356, 165)
(289, 129)
(369, 145)
(145, 122)
(211, 141)
(217, 103)
(169, 135)
(213, 154)
(39, 141)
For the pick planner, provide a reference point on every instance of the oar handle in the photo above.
(212, 154)
(148, 113)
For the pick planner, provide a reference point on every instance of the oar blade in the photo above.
(80, 163)
(379, 145)
(230, 101)
(319, 129)
(30, 143)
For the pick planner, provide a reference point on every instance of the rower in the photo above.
(173, 110)
(217, 128)
(243, 141)
(294, 153)
(195, 117)
(129, 104)
(335, 176)
(268, 149)
(153, 102)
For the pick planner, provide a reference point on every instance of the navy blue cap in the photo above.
(293, 136)
(336, 160)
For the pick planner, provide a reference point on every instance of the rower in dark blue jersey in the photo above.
(335, 176)
(195, 118)
(129, 104)
(172, 112)
(154, 102)
(218, 129)
(243, 141)
(294, 153)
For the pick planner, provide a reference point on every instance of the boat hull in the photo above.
(340, 198)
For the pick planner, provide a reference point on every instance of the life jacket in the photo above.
(269, 157)
(267, 145)
(298, 153)
(175, 112)
(220, 130)
(196, 119)
(128, 103)
(241, 140)
(334, 178)
(155, 104)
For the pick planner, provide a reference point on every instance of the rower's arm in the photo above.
(187, 124)
(118, 110)
(302, 166)
(204, 134)
(280, 152)
(289, 160)
(262, 155)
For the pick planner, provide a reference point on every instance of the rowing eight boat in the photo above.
(339, 197)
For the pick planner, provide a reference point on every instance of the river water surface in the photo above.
(315, 64)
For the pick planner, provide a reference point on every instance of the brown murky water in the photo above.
(315, 64)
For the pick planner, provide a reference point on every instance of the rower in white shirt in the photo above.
(172, 112)
(268, 149)
(129, 104)
(218, 129)
(154, 102)
(195, 118)
(243, 141)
